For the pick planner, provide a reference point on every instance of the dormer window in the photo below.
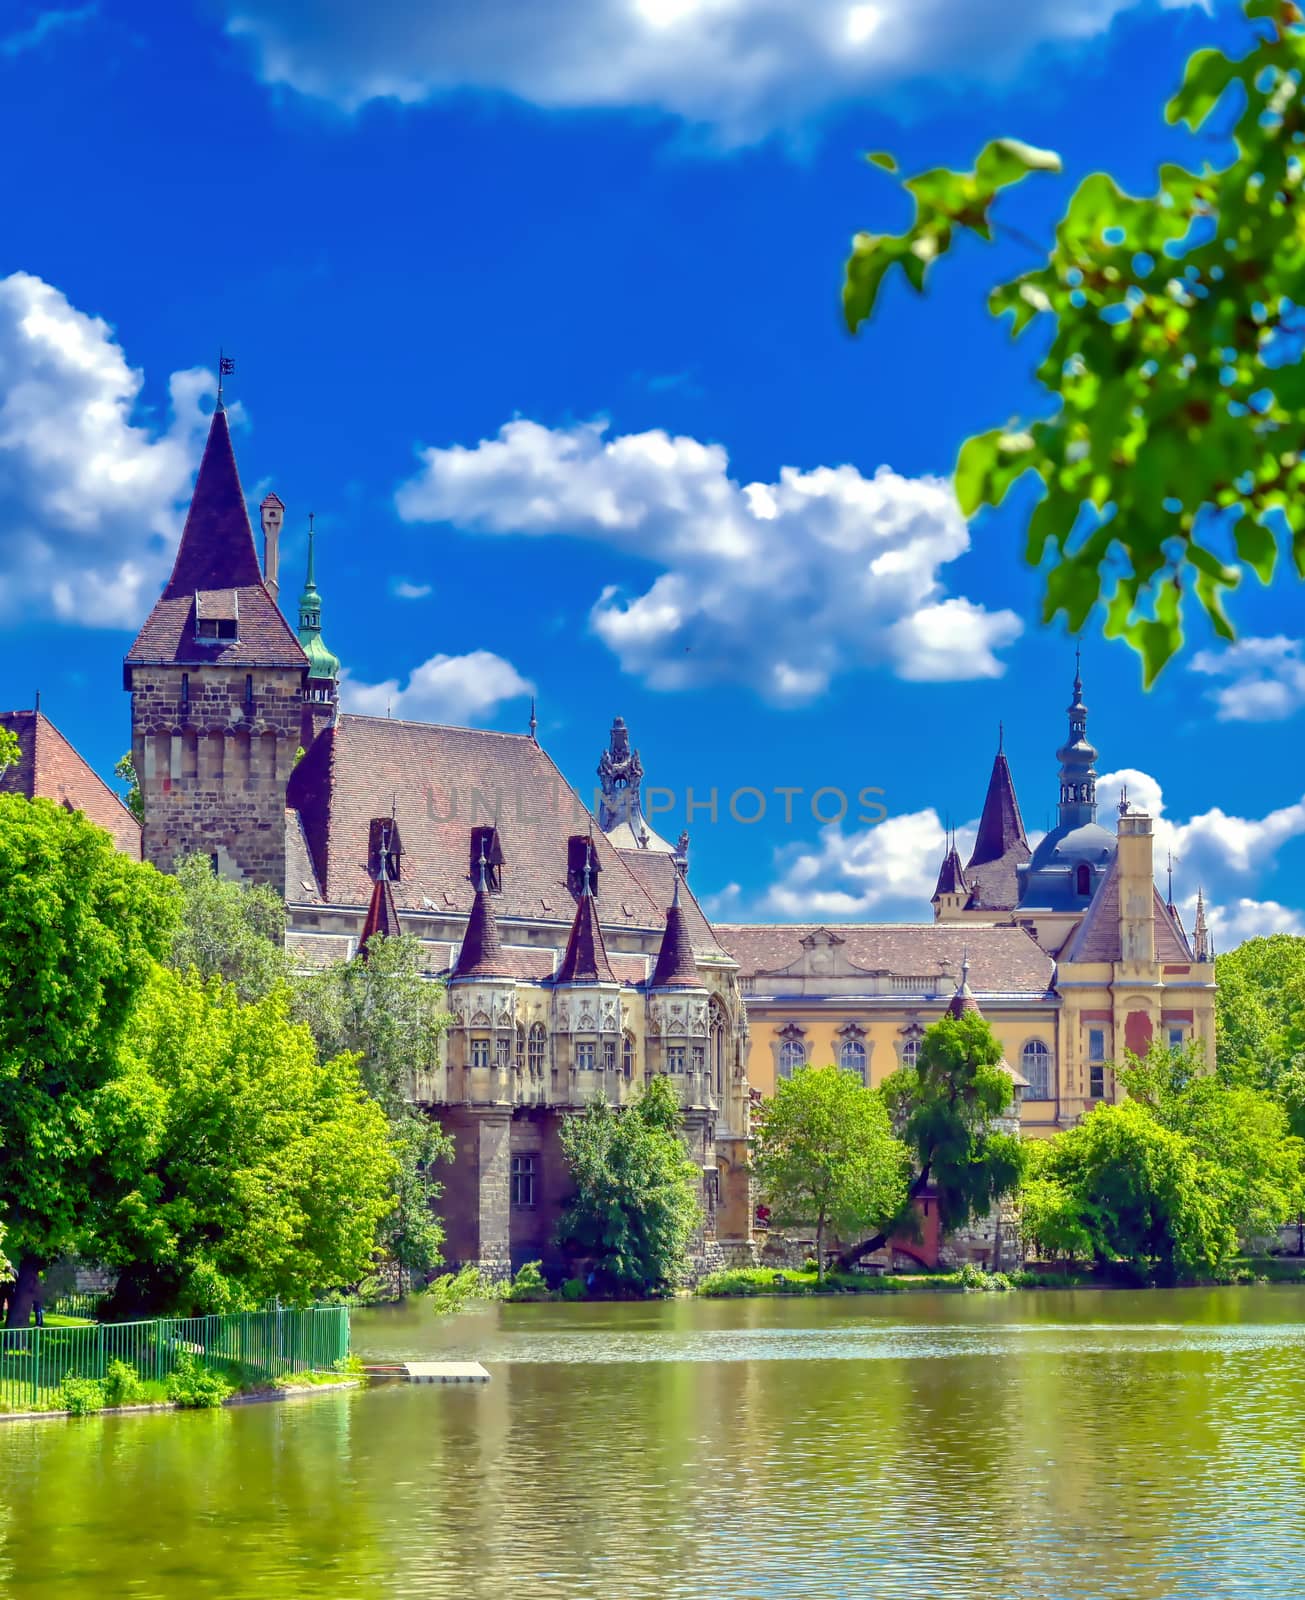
(580, 847)
(383, 839)
(217, 614)
(486, 840)
(215, 628)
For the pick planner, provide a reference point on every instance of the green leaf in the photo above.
(1208, 75)
(1006, 161)
(1257, 547)
(881, 158)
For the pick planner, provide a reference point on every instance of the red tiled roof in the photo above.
(441, 782)
(657, 872)
(585, 959)
(951, 875)
(50, 768)
(1097, 936)
(676, 968)
(1000, 825)
(481, 955)
(1003, 960)
(382, 919)
(216, 561)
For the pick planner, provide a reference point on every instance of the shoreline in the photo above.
(251, 1397)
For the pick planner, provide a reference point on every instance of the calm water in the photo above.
(1061, 1445)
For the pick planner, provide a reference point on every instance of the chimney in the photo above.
(273, 516)
(1136, 872)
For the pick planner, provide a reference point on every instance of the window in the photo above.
(1035, 1064)
(185, 688)
(609, 1055)
(523, 1182)
(792, 1055)
(1096, 1044)
(249, 688)
(536, 1048)
(584, 1056)
(675, 1058)
(480, 1054)
(852, 1058)
(1097, 1080)
(521, 1048)
(699, 1058)
(627, 1054)
(716, 1036)
(910, 1052)
(1176, 1039)
(1084, 876)
(215, 628)
(503, 1052)
(485, 840)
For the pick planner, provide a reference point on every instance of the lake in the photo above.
(1063, 1446)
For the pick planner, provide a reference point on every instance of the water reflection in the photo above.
(1038, 1447)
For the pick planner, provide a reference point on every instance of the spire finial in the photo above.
(483, 885)
(1001, 738)
(585, 889)
(226, 366)
(675, 893)
(534, 721)
(383, 867)
(1078, 664)
(1123, 801)
(965, 965)
(1169, 867)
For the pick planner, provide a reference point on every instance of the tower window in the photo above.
(536, 1048)
(523, 1181)
(627, 1055)
(185, 688)
(675, 1058)
(480, 1052)
(249, 688)
(215, 628)
(1084, 875)
(584, 1056)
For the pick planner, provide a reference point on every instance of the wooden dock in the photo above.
(429, 1371)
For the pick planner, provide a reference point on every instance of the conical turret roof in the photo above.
(217, 542)
(1001, 827)
(382, 919)
(481, 955)
(676, 967)
(585, 960)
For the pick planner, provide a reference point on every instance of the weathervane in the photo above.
(226, 366)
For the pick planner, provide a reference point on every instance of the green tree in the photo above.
(635, 1206)
(229, 930)
(246, 1167)
(1260, 1020)
(384, 1011)
(80, 927)
(124, 769)
(10, 750)
(944, 1110)
(1171, 455)
(824, 1155)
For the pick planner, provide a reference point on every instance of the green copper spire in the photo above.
(321, 662)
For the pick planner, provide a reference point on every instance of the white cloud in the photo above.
(1237, 920)
(1266, 679)
(91, 502)
(456, 689)
(405, 590)
(743, 67)
(777, 585)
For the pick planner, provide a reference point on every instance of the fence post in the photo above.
(35, 1336)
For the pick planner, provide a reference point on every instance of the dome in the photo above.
(322, 663)
(1088, 842)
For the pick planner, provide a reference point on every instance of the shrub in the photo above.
(528, 1284)
(972, 1276)
(453, 1290)
(80, 1397)
(351, 1366)
(196, 1387)
(122, 1385)
(574, 1289)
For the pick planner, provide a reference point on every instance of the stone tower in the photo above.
(217, 683)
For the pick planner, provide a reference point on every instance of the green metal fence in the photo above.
(247, 1346)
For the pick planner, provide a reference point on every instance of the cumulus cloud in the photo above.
(457, 689)
(403, 589)
(777, 585)
(1265, 679)
(91, 500)
(743, 67)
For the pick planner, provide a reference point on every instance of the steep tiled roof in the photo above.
(585, 958)
(49, 767)
(481, 955)
(216, 562)
(1000, 845)
(1097, 936)
(442, 782)
(657, 872)
(676, 968)
(382, 919)
(951, 875)
(1003, 960)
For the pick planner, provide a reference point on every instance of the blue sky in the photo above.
(542, 324)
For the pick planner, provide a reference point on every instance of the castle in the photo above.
(576, 957)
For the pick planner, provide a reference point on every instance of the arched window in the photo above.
(910, 1052)
(716, 1037)
(1084, 878)
(852, 1058)
(627, 1054)
(536, 1048)
(792, 1055)
(521, 1048)
(1035, 1064)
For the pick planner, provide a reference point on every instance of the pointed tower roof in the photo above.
(1001, 828)
(481, 955)
(585, 960)
(951, 875)
(1203, 949)
(963, 1002)
(676, 968)
(382, 918)
(216, 575)
(322, 662)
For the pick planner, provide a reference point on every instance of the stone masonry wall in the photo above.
(213, 764)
